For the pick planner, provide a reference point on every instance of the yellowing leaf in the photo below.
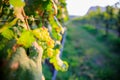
(26, 39)
(17, 3)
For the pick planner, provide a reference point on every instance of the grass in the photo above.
(88, 56)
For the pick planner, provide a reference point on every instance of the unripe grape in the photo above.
(49, 52)
(57, 51)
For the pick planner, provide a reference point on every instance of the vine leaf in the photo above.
(8, 34)
(8, 25)
(18, 3)
(26, 39)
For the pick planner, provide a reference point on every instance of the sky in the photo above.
(80, 7)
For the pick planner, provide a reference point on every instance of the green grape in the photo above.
(57, 51)
(43, 35)
(57, 29)
(50, 43)
(49, 52)
(42, 44)
(59, 64)
(57, 36)
(64, 66)
(37, 33)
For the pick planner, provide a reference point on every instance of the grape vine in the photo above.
(30, 32)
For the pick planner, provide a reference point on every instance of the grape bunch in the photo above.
(38, 37)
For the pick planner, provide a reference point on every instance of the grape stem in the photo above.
(19, 13)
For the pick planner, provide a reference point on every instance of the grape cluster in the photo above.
(38, 36)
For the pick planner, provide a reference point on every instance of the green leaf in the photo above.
(58, 46)
(33, 52)
(8, 34)
(26, 39)
(17, 3)
(8, 25)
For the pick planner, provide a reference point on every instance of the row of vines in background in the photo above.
(107, 18)
(30, 32)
